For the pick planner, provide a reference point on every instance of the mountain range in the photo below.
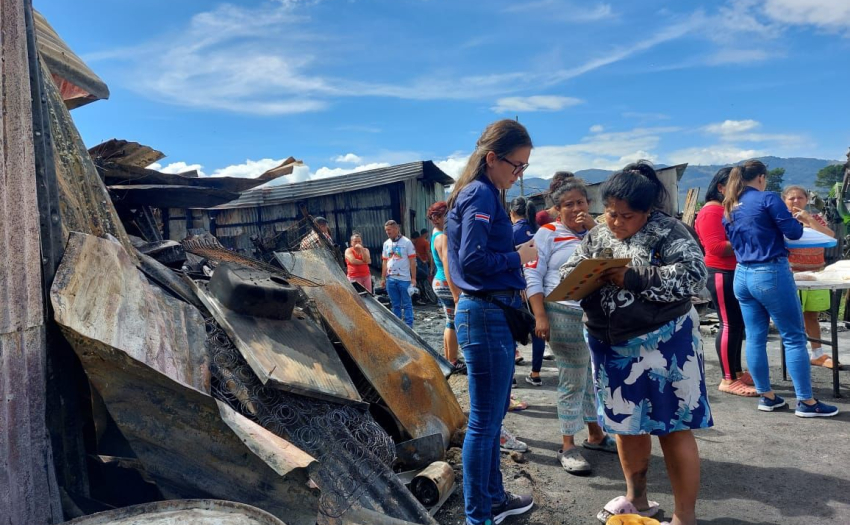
(798, 170)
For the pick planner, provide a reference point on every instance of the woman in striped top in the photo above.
(561, 324)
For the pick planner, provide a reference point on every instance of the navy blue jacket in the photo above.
(481, 250)
(522, 232)
(757, 227)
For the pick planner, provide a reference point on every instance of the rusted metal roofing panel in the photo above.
(164, 196)
(406, 377)
(116, 174)
(84, 203)
(293, 355)
(266, 196)
(78, 84)
(145, 354)
(182, 512)
(28, 490)
(401, 331)
(125, 153)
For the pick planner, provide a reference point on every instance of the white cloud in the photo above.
(269, 61)
(304, 173)
(248, 169)
(744, 131)
(607, 150)
(739, 56)
(598, 128)
(719, 154)
(348, 158)
(454, 164)
(561, 11)
(177, 167)
(832, 15)
(534, 103)
(732, 127)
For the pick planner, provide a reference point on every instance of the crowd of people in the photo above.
(629, 354)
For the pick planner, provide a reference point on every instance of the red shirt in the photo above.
(712, 235)
(423, 248)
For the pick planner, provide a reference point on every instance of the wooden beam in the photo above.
(689, 212)
(28, 488)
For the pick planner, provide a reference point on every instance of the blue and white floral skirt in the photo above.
(653, 383)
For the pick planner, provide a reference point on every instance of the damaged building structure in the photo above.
(152, 369)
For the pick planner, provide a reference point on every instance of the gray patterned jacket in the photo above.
(667, 268)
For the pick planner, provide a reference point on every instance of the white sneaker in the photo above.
(509, 443)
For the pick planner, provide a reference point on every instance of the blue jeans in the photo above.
(538, 346)
(488, 347)
(767, 291)
(400, 300)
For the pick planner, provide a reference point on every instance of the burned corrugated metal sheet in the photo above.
(284, 168)
(84, 204)
(336, 185)
(145, 354)
(407, 378)
(401, 331)
(125, 153)
(28, 488)
(162, 196)
(293, 355)
(182, 512)
(353, 451)
(78, 84)
(114, 173)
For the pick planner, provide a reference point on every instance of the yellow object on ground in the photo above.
(631, 519)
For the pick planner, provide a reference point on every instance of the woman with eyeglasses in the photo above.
(644, 339)
(756, 222)
(486, 267)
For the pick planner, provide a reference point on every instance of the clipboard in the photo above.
(583, 280)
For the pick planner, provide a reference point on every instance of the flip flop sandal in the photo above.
(573, 462)
(738, 388)
(608, 444)
(621, 505)
(633, 519)
(517, 406)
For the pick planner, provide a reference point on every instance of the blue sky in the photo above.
(352, 84)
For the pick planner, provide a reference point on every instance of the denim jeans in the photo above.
(767, 291)
(400, 299)
(538, 347)
(488, 347)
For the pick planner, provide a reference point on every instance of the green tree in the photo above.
(828, 176)
(774, 179)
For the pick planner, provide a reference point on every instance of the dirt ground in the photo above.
(757, 468)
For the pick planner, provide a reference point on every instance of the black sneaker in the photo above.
(459, 367)
(514, 505)
(531, 380)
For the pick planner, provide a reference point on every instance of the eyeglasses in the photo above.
(518, 167)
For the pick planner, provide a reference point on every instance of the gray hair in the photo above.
(788, 189)
(390, 223)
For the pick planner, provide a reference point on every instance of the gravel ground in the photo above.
(757, 468)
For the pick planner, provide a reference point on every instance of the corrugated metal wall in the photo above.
(28, 489)
(364, 210)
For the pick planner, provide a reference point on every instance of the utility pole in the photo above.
(521, 175)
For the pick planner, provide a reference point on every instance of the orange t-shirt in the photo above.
(423, 248)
